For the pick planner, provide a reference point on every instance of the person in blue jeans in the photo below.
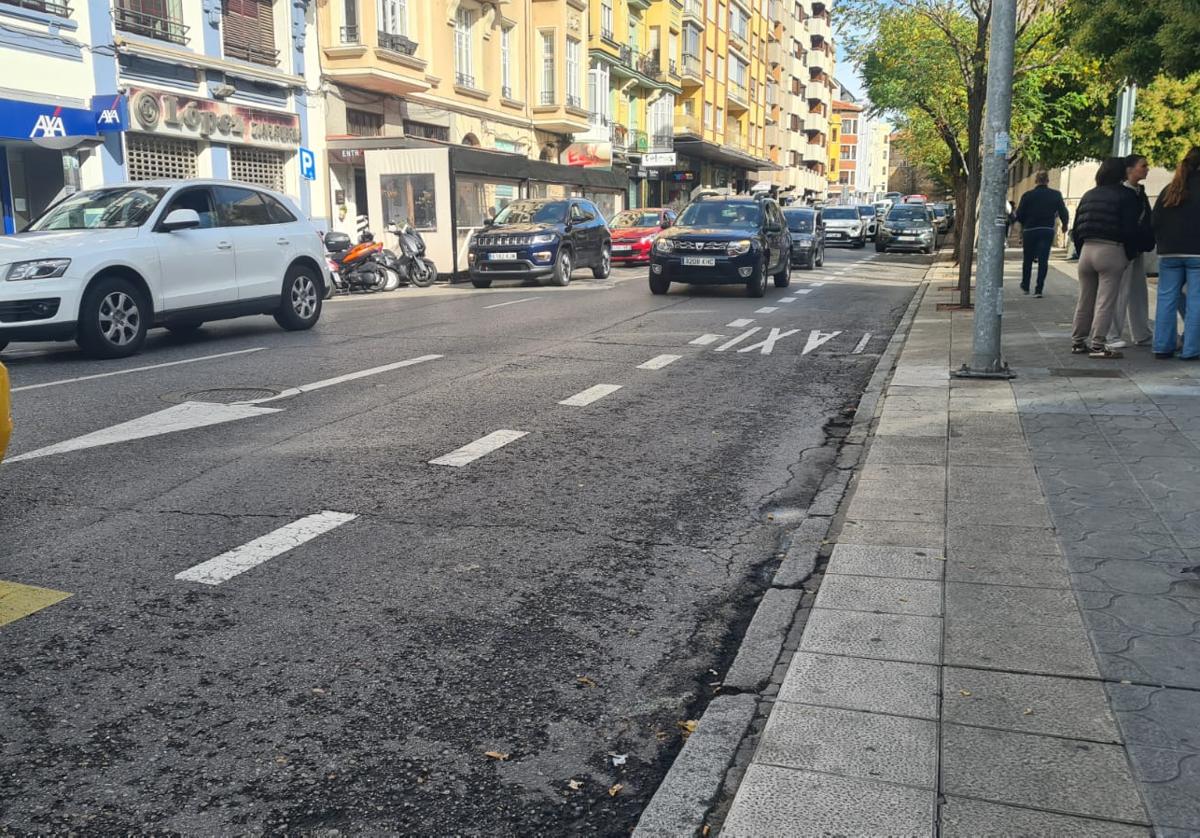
(1037, 211)
(1177, 230)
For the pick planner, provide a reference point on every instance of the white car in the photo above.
(104, 265)
(844, 225)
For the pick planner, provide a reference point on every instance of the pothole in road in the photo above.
(223, 395)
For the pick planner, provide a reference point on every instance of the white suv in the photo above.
(104, 265)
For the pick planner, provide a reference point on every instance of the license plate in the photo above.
(907, 238)
(700, 261)
(836, 235)
(622, 248)
(502, 257)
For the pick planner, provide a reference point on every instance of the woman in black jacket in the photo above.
(1177, 229)
(1107, 236)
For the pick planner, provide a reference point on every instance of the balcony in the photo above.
(775, 53)
(667, 75)
(548, 97)
(818, 122)
(739, 98)
(397, 43)
(692, 74)
(693, 11)
(618, 134)
(774, 136)
(735, 138)
(252, 53)
(151, 26)
(348, 35)
(59, 9)
(574, 101)
(819, 59)
(637, 142)
(688, 125)
(640, 5)
(662, 142)
(639, 62)
(817, 91)
(737, 40)
(815, 153)
(817, 27)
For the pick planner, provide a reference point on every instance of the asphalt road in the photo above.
(563, 599)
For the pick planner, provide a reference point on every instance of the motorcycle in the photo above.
(358, 267)
(410, 266)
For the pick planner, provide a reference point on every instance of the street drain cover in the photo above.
(1068, 372)
(228, 395)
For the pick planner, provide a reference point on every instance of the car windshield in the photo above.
(908, 214)
(866, 212)
(533, 212)
(841, 212)
(720, 214)
(939, 211)
(635, 218)
(126, 206)
(799, 221)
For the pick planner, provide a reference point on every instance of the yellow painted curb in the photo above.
(17, 600)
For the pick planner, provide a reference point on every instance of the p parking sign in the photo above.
(308, 164)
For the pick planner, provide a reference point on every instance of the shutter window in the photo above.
(249, 31)
(260, 166)
(154, 158)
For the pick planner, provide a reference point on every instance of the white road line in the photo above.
(591, 394)
(251, 554)
(765, 346)
(862, 344)
(474, 450)
(816, 337)
(816, 284)
(740, 323)
(804, 290)
(136, 369)
(735, 341)
(329, 382)
(513, 302)
(658, 362)
(789, 299)
(705, 340)
(766, 309)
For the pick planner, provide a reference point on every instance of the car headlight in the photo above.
(37, 269)
(646, 240)
(887, 230)
(854, 229)
(544, 238)
(926, 233)
(738, 248)
(664, 246)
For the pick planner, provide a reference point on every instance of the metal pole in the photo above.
(993, 214)
(1123, 131)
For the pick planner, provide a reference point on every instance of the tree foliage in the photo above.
(1167, 123)
(1139, 40)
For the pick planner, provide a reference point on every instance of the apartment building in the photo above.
(832, 150)
(844, 148)
(728, 82)
(106, 91)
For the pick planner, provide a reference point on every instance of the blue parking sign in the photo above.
(308, 164)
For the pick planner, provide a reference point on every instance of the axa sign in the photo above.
(22, 120)
(49, 125)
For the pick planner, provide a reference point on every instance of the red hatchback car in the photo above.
(634, 231)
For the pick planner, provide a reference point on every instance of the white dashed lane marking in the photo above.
(591, 394)
(740, 323)
(816, 284)
(474, 450)
(135, 369)
(766, 309)
(658, 362)
(804, 291)
(512, 302)
(862, 344)
(329, 382)
(240, 559)
(782, 300)
(705, 340)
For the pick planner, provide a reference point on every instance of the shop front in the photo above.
(43, 146)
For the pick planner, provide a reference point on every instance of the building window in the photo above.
(506, 79)
(410, 197)
(249, 31)
(849, 152)
(548, 92)
(738, 71)
(850, 126)
(574, 99)
(738, 22)
(260, 166)
(349, 31)
(606, 20)
(720, 120)
(708, 61)
(154, 158)
(708, 115)
(721, 68)
(393, 17)
(363, 123)
(160, 19)
(464, 54)
(598, 97)
(424, 130)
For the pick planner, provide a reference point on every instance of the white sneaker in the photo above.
(1117, 344)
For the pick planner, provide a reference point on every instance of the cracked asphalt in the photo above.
(571, 596)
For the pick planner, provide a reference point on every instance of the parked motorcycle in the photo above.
(410, 264)
(358, 267)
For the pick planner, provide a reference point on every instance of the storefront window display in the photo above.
(609, 203)
(477, 198)
(411, 198)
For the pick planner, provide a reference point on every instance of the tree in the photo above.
(1141, 39)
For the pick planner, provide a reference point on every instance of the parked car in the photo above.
(867, 213)
(941, 217)
(633, 234)
(6, 424)
(916, 199)
(807, 227)
(724, 241)
(907, 227)
(544, 239)
(103, 266)
(844, 225)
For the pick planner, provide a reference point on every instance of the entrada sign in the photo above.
(169, 114)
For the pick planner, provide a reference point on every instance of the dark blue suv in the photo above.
(541, 239)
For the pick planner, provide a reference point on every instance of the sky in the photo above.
(845, 72)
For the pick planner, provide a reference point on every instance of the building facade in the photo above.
(843, 150)
(157, 90)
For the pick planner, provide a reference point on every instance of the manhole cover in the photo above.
(1068, 372)
(226, 395)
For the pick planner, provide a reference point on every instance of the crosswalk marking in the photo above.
(591, 394)
(253, 553)
(659, 361)
(17, 600)
(474, 450)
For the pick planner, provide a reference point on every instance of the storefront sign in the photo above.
(658, 159)
(684, 176)
(588, 155)
(168, 114)
(308, 164)
(347, 155)
(20, 120)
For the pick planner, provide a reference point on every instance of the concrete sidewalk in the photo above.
(1006, 638)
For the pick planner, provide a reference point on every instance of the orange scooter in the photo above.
(358, 267)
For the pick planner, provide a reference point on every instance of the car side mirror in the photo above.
(666, 222)
(180, 219)
(488, 221)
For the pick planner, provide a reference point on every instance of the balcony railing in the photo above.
(662, 141)
(735, 138)
(607, 35)
(693, 9)
(645, 64)
(737, 40)
(464, 80)
(692, 67)
(637, 141)
(152, 26)
(252, 53)
(618, 133)
(398, 43)
(737, 92)
(598, 120)
(548, 97)
(574, 100)
(349, 35)
(688, 123)
(60, 9)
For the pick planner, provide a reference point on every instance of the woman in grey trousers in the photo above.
(1107, 234)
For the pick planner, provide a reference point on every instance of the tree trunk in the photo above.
(974, 153)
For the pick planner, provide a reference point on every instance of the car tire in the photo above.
(563, 265)
(300, 305)
(880, 248)
(756, 285)
(658, 285)
(481, 283)
(784, 277)
(811, 262)
(929, 250)
(104, 334)
(861, 243)
(602, 270)
(187, 327)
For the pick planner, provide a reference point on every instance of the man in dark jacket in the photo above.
(1036, 212)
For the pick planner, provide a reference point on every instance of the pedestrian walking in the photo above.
(1131, 324)
(1036, 213)
(1107, 234)
(1177, 229)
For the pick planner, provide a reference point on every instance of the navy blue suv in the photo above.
(541, 239)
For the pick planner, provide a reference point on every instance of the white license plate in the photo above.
(502, 257)
(837, 235)
(700, 261)
(622, 248)
(907, 238)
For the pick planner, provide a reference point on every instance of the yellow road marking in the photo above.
(17, 600)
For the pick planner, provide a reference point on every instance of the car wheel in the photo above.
(929, 250)
(756, 285)
(481, 283)
(185, 327)
(602, 270)
(880, 248)
(113, 319)
(562, 268)
(784, 277)
(658, 285)
(300, 307)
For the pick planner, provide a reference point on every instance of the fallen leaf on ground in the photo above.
(939, 558)
(1028, 711)
(498, 755)
(615, 789)
(964, 693)
(586, 681)
(688, 727)
(619, 759)
(661, 735)
(575, 784)
(318, 691)
(705, 832)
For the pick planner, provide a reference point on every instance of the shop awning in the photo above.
(25, 120)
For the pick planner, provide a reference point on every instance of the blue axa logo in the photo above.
(49, 125)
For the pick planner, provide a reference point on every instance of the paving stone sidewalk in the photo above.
(1006, 640)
